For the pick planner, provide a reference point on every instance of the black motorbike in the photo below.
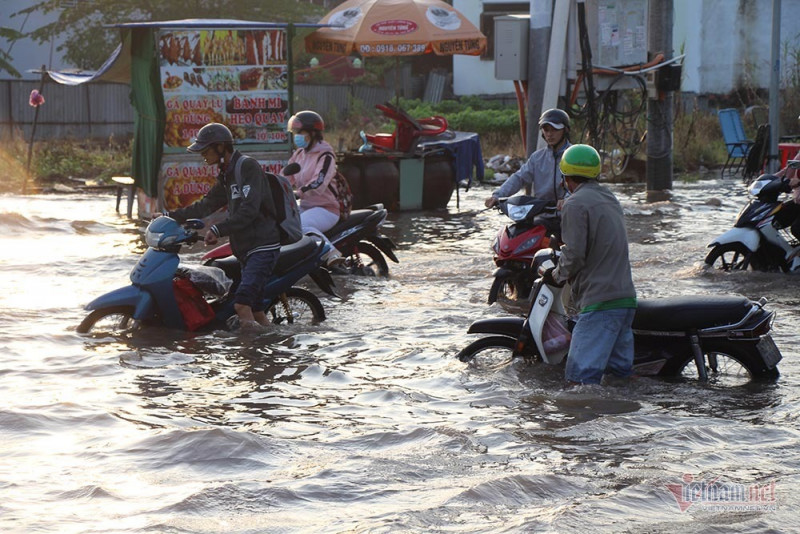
(759, 239)
(725, 339)
(359, 239)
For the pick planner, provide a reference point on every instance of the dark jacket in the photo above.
(247, 226)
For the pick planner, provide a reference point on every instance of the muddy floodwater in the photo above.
(366, 423)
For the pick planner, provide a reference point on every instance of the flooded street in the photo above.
(366, 422)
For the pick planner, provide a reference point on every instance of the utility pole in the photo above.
(538, 47)
(773, 163)
(659, 106)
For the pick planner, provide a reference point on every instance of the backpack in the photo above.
(341, 191)
(284, 209)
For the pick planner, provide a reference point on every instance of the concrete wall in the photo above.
(726, 42)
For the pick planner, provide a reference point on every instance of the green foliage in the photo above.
(697, 141)
(469, 114)
(5, 59)
(54, 161)
(89, 39)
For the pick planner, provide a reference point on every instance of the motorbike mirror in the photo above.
(290, 169)
(793, 163)
(194, 224)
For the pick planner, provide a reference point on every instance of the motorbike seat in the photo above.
(356, 217)
(685, 313)
(290, 256)
(295, 253)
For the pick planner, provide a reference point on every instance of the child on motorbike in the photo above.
(319, 208)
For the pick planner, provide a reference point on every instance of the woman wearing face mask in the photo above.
(319, 208)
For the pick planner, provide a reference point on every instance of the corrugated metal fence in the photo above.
(101, 110)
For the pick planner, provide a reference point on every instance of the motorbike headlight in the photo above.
(153, 238)
(518, 213)
(527, 245)
(496, 245)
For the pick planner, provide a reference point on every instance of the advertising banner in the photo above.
(184, 182)
(237, 77)
(233, 76)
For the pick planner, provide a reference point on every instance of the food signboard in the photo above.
(184, 182)
(238, 77)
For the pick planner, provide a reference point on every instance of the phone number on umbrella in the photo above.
(392, 49)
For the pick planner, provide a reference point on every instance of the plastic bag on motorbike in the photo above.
(555, 335)
(211, 280)
(195, 310)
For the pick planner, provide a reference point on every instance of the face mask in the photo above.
(300, 141)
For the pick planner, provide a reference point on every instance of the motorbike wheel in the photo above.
(116, 320)
(729, 257)
(303, 308)
(488, 352)
(375, 264)
(505, 289)
(728, 363)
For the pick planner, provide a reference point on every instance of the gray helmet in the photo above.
(556, 118)
(211, 133)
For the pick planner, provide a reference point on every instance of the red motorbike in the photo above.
(535, 220)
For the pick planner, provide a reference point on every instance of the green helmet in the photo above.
(580, 160)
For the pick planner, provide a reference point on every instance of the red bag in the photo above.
(196, 311)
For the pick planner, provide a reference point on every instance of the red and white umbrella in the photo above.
(396, 28)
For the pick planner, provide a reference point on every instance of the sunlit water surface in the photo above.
(367, 423)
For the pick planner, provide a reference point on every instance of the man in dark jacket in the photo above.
(254, 236)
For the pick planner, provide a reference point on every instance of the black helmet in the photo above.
(211, 133)
(310, 121)
(556, 118)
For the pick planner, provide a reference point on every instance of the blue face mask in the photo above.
(300, 141)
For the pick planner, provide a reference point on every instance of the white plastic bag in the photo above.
(555, 335)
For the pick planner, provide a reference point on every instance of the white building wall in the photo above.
(726, 42)
(471, 74)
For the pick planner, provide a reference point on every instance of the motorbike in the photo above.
(358, 238)
(159, 289)
(724, 339)
(757, 240)
(515, 244)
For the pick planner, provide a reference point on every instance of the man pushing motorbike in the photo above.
(594, 259)
(254, 234)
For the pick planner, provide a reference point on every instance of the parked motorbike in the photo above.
(153, 298)
(725, 339)
(516, 243)
(757, 241)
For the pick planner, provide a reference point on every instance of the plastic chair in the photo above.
(735, 140)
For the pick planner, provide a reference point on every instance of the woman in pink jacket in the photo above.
(319, 208)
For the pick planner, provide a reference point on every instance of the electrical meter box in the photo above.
(617, 32)
(511, 47)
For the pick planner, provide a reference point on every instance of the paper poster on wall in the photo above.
(236, 77)
(184, 182)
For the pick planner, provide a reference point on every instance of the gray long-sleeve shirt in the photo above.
(541, 172)
(594, 257)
